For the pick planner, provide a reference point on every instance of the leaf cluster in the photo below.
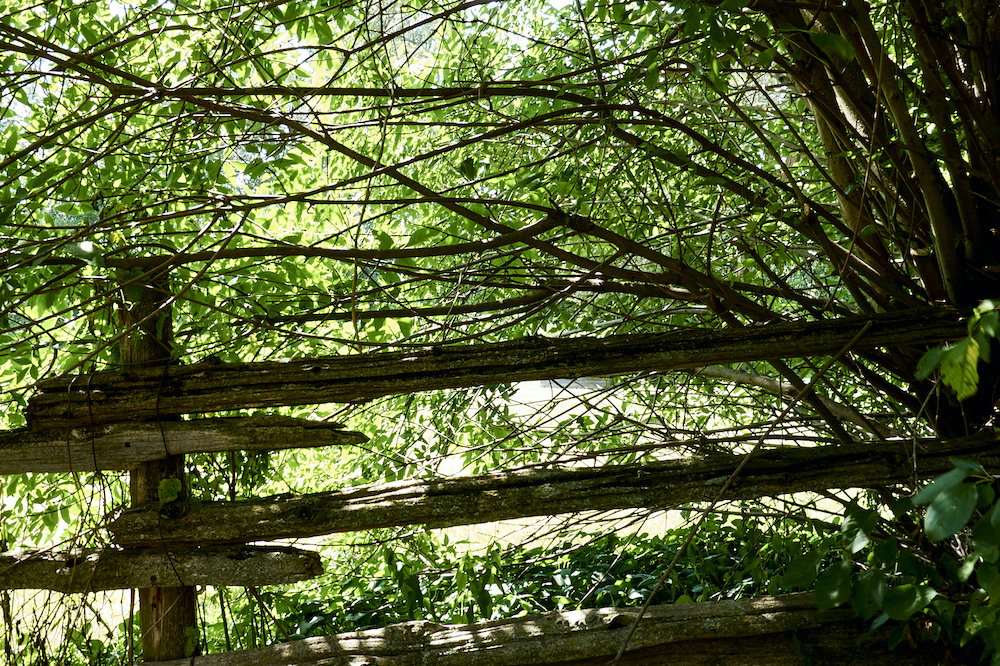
(939, 581)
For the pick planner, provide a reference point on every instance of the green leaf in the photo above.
(192, 637)
(987, 577)
(801, 572)
(10, 145)
(652, 78)
(323, 31)
(967, 567)
(995, 515)
(990, 322)
(947, 481)
(986, 495)
(987, 529)
(834, 586)
(168, 490)
(929, 362)
(958, 368)
(950, 511)
(468, 168)
(902, 601)
(983, 344)
(858, 525)
(868, 593)
(886, 552)
(766, 57)
(971, 468)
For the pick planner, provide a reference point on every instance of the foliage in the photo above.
(293, 180)
(426, 578)
(943, 575)
(607, 570)
(959, 362)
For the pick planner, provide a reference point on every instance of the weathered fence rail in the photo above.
(763, 632)
(93, 570)
(538, 492)
(157, 393)
(127, 445)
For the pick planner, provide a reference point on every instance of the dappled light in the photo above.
(551, 331)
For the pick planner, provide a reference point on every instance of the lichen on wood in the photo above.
(539, 492)
(151, 393)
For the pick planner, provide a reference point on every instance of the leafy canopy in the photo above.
(321, 178)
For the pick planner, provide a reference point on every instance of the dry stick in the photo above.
(266, 611)
(725, 487)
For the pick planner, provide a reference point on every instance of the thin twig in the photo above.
(725, 487)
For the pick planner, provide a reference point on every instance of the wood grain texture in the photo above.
(540, 492)
(125, 446)
(93, 570)
(157, 393)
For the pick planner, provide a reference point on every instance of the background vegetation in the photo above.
(330, 178)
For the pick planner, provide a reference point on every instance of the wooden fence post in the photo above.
(167, 615)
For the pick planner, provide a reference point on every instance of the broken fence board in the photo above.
(93, 570)
(762, 632)
(149, 394)
(125, 446)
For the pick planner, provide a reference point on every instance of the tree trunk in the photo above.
(541, 492)
(110, 397)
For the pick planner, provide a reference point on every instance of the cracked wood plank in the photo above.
(93, 570)
(126, 446)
